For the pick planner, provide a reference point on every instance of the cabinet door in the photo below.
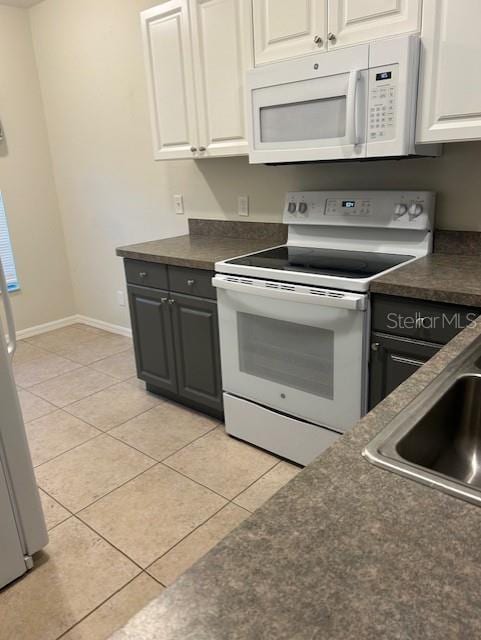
(222, 46)
(197, 350)
(449, 106)
(288, 28)
(354, 21)
(168, 60)
(393, 360)
(153, 337)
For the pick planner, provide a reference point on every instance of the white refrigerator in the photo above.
(22, 525)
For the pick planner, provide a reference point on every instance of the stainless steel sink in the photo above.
(436, 439)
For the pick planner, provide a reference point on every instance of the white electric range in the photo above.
(294, 319)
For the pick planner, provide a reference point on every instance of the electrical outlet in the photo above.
(121, 298)
(243, 205)
(179, 204)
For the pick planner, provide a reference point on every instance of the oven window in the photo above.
(291, 354)
(310, 120)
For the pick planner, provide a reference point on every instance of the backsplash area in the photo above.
(454, 177)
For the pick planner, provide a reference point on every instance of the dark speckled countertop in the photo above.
(451, 274)
(439, 277)
(345, 551)
(208, 241)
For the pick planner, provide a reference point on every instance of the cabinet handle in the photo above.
(191, 283)
(202, 149)
(143, 274)
(163, 300)
(375, 346)
(318, 40)
(193, 149)
(171, 301)
(331, 37)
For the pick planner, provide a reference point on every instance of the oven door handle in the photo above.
(307, 295)
(351, 107)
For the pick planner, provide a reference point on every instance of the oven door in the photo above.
(296, 349)
(313, 108)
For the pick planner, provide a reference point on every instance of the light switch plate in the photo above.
(179, 204)
(243, 205)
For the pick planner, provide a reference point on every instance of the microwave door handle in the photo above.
(12, 336)
(351, 107)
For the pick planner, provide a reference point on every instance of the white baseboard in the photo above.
(106, 326)
(48, 326)
(66, 322)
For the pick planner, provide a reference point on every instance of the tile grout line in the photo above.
(115, 382)
(48, 352)
(81, 365)
(76, 517)
(137, 415)
(76, 513)
(199, 526)
(37, 466)
(162, 462)
(229, 502)
(147, 454)
(64, 633)
(86, 342)
(155, 463)
(83, 398)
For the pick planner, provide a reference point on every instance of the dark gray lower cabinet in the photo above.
(153, 337)
(176, 335)
(393, 360)
(405, 334)
(197, 354)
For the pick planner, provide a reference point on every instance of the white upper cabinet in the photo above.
(449, 106)
(354, 21)
(288, 28)
(197, 53)
(222, 49)
(168, 56)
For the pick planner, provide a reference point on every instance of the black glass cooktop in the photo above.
(329, 262)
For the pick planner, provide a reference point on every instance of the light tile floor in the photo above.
(134, 488)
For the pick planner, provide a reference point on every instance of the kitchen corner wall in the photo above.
(110, 190)
(26, 182)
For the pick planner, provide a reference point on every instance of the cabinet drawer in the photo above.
(420, 319)
(195, 282)
(147, 274)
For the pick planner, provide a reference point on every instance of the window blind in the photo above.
(6, 253)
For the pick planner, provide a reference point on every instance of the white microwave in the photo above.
(352, 103)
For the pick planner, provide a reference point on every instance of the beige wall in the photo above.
(26, 182)
(111, 192)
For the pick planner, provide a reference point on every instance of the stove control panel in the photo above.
(359, 207)
(386, 209)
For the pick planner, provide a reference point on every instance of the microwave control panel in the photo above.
(382, 103)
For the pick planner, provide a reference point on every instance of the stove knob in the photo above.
(302, 207)
(415, 210)
(400, 210)
(291, 207)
